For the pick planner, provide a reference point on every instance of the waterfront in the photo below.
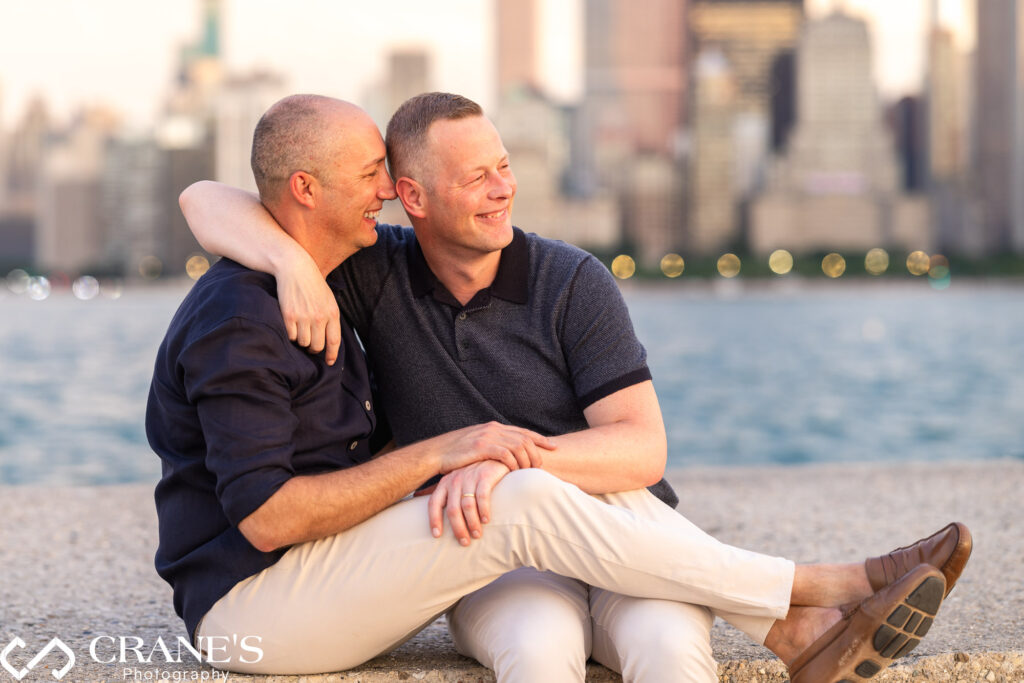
(747, 373)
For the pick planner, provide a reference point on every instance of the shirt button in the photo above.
(352, 446)
(367, 404)
(462, 316)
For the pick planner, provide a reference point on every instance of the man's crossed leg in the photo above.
(334, 603)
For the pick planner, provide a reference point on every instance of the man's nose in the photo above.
(503, 186)
(387, 188)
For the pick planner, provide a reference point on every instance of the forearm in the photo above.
(311, 507)
(609, 458)
(623, 449)
(306, 508)
(231, 222)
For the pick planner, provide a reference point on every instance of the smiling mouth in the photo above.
(371, 215)
(496, 214)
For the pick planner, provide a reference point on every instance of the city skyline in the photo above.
(121, 54)
(728, 127)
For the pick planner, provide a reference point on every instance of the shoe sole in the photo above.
(954, 566)
(903, 629)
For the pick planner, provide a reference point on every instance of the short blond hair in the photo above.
(406, 137)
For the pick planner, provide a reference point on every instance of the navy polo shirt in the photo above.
(549, 337)
(235, 410)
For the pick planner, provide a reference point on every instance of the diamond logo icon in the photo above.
(21, 673)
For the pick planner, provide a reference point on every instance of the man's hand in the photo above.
(309, 308)
(514, 447)
(465, 496)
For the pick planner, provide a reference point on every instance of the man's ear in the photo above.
(301, 186)
(412, 196)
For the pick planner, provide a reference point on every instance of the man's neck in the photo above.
(322, 247)
(462, 274)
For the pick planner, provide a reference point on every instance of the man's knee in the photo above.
(545, 649)
(672, 645)
(525, 625)
(665, 643)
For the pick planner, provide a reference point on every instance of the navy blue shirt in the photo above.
(550, 337)
(236, 410)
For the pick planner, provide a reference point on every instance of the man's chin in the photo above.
(371, 236)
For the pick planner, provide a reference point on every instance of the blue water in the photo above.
(837, 373)
(746, 374)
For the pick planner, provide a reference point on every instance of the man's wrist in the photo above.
(287, 257)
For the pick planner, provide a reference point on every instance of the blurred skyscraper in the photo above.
(409, 73)
(23, 153)
(743, 108)
(518, 26)
(132, 202)
(948, 100)
(838, 185)
(70, 226)
(239, 103)
(538, 135)
(634, 116)
(999, 121)
(3, 158)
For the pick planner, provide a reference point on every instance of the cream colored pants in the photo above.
(530, 625)
(334, 603)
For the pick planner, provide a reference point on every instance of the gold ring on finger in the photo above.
(469, 495)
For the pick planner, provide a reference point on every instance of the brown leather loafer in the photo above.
(886, 626)
(947, 550)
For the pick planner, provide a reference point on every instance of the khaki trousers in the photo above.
(531, 625)
(334, 603)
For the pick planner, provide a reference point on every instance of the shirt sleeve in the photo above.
(236, 377)
(600, 346)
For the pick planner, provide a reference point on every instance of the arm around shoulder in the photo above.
(228, 221)
(234, 223)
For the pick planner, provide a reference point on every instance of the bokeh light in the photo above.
(729, 265)
(38, 288)
(672, 265)
(196, 266)
(17, 281)
(938, 271)
(833, 265)
(86, 287)
(918, 263)
(150, 267)
(623, 267)
(876, 261)
(938, 266)
(112, 289)
(780, 262)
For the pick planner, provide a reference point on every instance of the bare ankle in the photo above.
(803, 625)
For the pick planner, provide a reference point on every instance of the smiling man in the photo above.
(466, 320)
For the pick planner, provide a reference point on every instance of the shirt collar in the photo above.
(511, 283)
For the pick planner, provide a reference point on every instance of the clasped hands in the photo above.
(463, 494)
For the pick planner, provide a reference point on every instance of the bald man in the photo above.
(332, 602)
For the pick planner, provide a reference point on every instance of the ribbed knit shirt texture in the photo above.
(548, 338)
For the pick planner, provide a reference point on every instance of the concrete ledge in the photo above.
(993, 667)
(76, 563)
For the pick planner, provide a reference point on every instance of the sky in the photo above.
(123, 52)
